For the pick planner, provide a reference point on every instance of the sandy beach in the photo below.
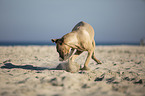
(31, 71)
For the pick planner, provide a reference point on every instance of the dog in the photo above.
(74, 43)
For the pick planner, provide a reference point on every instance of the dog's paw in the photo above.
(85, 68)
(99, 62)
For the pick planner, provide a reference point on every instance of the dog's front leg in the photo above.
(72, 51)
(75, 55)
(87, 61)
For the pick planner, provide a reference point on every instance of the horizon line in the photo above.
(15, 43)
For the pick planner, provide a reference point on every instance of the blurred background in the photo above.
(38, 21)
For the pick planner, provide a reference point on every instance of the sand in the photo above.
(31, 71)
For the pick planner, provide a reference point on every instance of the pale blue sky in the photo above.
(41, 20)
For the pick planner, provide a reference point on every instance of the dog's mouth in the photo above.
(61, 59)
(67, 56)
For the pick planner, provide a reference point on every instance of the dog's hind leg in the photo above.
(93, 54)
(95, 59)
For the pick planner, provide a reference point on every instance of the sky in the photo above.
(43, 20)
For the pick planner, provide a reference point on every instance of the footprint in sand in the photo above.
(100, 78)
(23, 81)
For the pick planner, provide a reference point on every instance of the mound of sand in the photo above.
(69, 66)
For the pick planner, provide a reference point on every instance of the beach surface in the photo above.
(31, 71)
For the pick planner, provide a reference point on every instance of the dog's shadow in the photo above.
(27, 67)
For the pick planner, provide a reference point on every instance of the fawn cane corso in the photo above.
(74, 43)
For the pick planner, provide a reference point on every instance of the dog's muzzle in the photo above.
(60, 59)
(67, 56)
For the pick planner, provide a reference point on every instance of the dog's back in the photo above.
(81, 26)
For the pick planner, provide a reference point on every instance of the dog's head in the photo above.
(62, 49)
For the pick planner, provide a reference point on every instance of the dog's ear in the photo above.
(54, 40)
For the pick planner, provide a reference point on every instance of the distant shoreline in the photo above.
(50, 43)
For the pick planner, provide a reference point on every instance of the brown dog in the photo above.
(80, 39)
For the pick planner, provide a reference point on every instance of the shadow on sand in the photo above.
(27, 67)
